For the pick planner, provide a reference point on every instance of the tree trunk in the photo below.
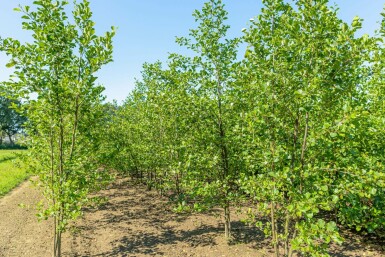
(57, 237)
(291, 252)
(224, 156)
(287, 232)
(227, 222)
(274, 230)
(10, 139)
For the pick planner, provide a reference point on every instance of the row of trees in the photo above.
(296, 125)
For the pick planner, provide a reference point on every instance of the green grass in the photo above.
(11, 170)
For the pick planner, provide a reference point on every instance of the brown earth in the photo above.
(136, 222)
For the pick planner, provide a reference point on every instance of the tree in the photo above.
(11, 122)
(212, 172)
(63, 119)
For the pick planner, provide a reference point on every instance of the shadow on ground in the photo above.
(358, 245)
(137, 222)
(154, 225)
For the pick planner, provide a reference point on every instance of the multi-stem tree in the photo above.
(211, 170)
(54, 75)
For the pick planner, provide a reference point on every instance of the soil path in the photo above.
(20, 232)
(136, 222)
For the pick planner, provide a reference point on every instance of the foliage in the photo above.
(11, 122)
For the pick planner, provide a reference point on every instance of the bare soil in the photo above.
(136, 222)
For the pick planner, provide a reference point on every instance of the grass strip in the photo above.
(12, 172)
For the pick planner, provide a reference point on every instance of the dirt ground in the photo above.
(136, 222)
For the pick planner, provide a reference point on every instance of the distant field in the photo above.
(11, 170)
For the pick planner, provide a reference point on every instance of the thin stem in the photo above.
(304, 148)
(274, 229)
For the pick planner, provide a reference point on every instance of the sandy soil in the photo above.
(136, 222)
(20, 232)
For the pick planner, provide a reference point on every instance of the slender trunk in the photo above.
(59, 244)
(291, 252)
(59, 175)
(178, 173)
(10, 139)
(274, 230)
(157, 181)
(227, 221)
(272, 147)
(58, 235)
(55, 236)
(224, 155)
(53, 189)
(287, 232)
(177, 187)
(287, 218)
(62, 179)
(222, 134)
(137, 173)
(225, 178)
(295, 139)
(76, 120)
(149, 173)
(77, 110)
(304, 149)
(57, 247)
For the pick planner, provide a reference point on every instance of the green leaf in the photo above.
(331, 226)
(11, 64)
(373, 191)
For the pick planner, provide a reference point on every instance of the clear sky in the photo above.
(147, 30)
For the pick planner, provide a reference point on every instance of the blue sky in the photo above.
(147, 30)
